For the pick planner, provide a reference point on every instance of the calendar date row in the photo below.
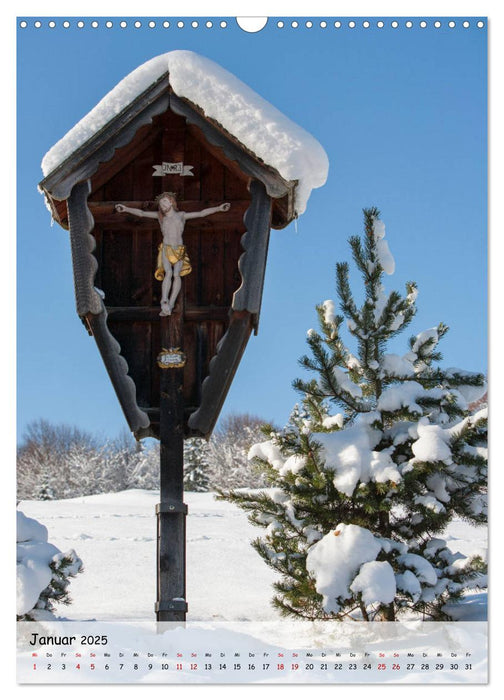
(177, 666)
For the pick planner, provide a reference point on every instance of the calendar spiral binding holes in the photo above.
(216, 23)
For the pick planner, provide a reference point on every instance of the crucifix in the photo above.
(173, 261)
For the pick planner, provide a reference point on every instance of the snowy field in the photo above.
(115, 536)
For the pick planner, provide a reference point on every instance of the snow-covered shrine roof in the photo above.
(256, 124)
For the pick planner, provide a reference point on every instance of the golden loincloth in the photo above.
(174, 255)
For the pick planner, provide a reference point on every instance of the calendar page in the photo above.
(252, 652)
(253, 434)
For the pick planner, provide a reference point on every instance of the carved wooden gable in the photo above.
(114, 255)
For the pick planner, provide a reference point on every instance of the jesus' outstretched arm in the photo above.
(207, 212)
(122, 208)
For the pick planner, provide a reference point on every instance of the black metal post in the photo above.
(171, 512)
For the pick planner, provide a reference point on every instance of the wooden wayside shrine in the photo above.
(118, 299)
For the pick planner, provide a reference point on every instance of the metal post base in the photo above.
(171, 605)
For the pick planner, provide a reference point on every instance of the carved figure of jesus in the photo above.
(173, 261)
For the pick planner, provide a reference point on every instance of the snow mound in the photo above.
(424, 571)
(375, 582)
(336, 558)
(29, 529)
(268, 451)
(350, 455)
(385, 257)
(432, 444)
(259, 126)
(396, 366)
(345, 560)
(470, 393)
(329, 311)
(34, 556)
(430, 336)
(409, 583)
(405, 395)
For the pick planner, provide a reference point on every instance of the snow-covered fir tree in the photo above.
(43, 571)
(196, 465)
(229, 466)
(145, 471)
(380, 455)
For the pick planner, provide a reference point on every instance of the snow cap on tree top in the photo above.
(253, 121)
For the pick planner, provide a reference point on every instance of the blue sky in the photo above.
(401, 114)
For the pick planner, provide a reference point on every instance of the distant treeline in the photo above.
(62, 461)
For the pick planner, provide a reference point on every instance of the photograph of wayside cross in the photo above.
(265, 429)
(139, 184)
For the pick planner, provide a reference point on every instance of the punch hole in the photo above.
(423, 24)
(252, 24)
(280, 24)
(166, 24)
(351, 25)
(66, 25)
(466, 24)
(336, 24)
(366, 24)
(52, 24)
(409, 24)
(38, 24)
(481, 24)
(295, 24)
(380, 24)
(23, 24)
(180, 24)
(209, 24)
(138, 24)
(123, 24)
(194, 25)
(109, 24)
(437, 24)
(80, 24)
(309, 24)
(223, 24)
(152, 24)
(323, 24)
(94, 24)
(395, 24)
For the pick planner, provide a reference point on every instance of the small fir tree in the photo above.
(196, 465)
(43, 572)
(380, 455)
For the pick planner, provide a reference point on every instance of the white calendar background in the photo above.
(241, 652)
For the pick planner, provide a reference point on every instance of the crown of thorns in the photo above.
(161, 196)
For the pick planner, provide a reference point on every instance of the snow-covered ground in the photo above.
(115, 536)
